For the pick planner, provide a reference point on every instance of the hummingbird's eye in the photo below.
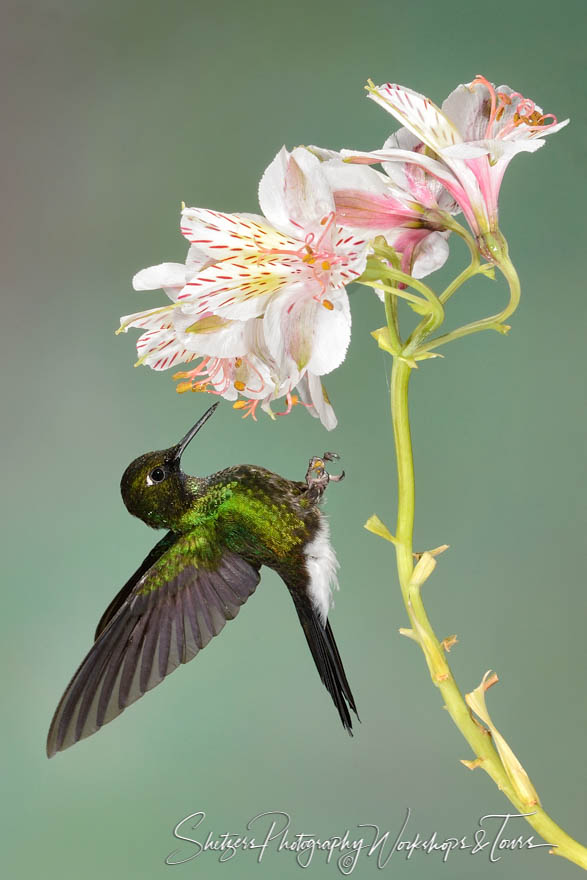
(157, 475)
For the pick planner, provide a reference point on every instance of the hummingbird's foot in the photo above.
(317, 477)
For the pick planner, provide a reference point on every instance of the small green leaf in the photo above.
(383, 339)
(422, 308)
(409, 361)
(375, 525)
(425, 355)
(487, 269)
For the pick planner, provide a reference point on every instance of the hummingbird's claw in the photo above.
(317, 477)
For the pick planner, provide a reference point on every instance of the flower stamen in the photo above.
(248, 407)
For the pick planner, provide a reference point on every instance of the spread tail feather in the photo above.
(325, 653)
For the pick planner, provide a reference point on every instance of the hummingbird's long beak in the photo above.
(179, 449)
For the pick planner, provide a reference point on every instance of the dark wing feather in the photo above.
(156, 553)
(163, 618)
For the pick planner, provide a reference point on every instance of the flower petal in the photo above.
(226, 235)
(468, 108)
(160, 276)
(293, 193)
(308, 194)
(430, 254)
(461, 184)
(313, 394)
(161, 350)
(432, 166)
(212, 335)
(151, 319)
(239, 289)
(314, 334)
(365, 199)
(418, 114)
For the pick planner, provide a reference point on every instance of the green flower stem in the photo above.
(436, 308)
(478, 738)
(494, 322)
(403, 294)
(473, 267)
(390, 302)
(471, 270)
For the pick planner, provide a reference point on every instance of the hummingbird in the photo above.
(221, 530)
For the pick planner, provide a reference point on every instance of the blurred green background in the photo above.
(113, 113)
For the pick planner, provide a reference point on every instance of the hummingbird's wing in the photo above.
(163, 619)
(156, 553)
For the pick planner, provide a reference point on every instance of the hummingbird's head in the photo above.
(155, 488)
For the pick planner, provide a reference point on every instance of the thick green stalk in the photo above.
(478, 738)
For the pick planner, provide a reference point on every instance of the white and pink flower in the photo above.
(405, 205)
(289, 267)
(261, 300)
(468, 144)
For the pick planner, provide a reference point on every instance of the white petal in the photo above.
(165, 350)
(196, 258)
(239, 288)
(160, 276)
(430, 254)
(467, 107)
(418, 114)
(406, 179)
(332, 334)
(293, 193)
(314, 395)
(345, 175)
(272, 192)
(219, 236)
(556, 127)
(213, 336)
(151, 319)
(437, 169)
(315, 336)
(402, 139)
(470, 150)
(322, 153)
(308, 194)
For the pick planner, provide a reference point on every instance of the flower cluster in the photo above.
(260, 306)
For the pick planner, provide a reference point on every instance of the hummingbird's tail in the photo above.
(321, 642)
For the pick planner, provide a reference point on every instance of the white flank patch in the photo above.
(321, 565)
